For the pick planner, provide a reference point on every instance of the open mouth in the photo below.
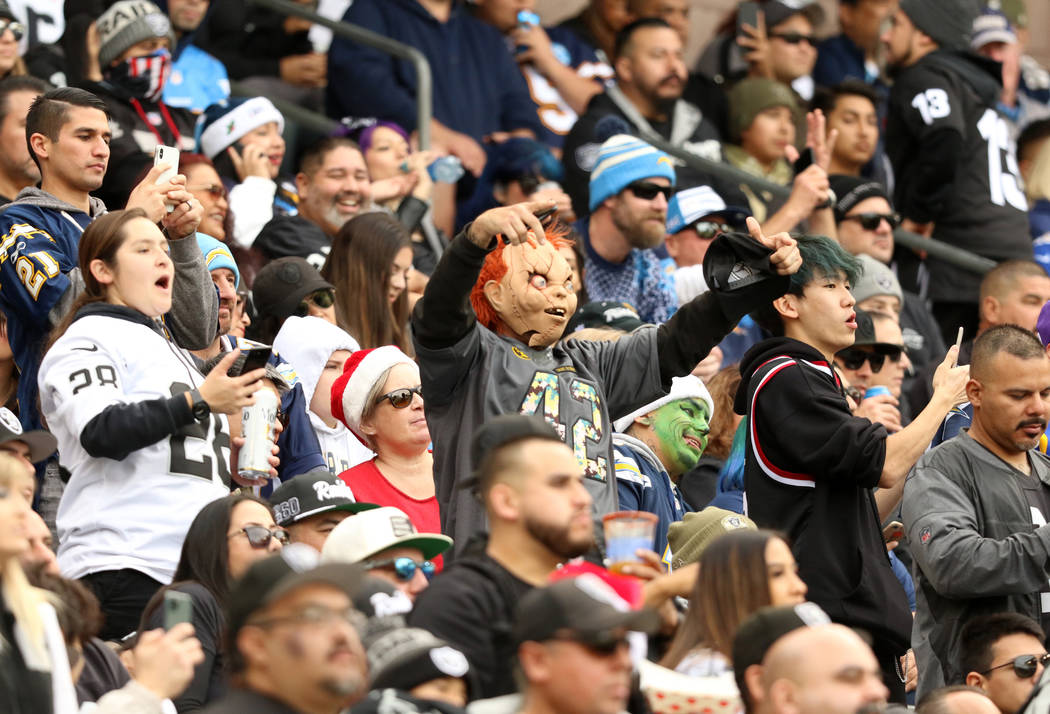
(556, 311)
(163, 283)
(348, 205)
(693, 442)
(851, 321)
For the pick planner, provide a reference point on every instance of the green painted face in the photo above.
(682, 427)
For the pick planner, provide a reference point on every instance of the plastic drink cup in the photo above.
(876, 391)
(625, 533)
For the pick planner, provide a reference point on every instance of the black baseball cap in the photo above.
(270, 579)
(585, 608)
(406, 657)
(851, 190)
(282, 284)
(500, 431)
(606, 313)
(776, 11)
(309, 494)
(41, 443)
(758, 632)
(738, 272)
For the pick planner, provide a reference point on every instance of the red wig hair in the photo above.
(494, 268)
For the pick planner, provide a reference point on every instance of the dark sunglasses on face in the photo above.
(259, 536)
(709, 229)
(793, 38)
(872, 221)
(401, 398)
(647, 191)
(17, 28)
(853, 359)
(602, 644)
(322, 298)
(404, 567)
(1025, 665)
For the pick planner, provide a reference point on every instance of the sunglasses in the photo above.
(794, 38)
(709, 229)
(853, 359)
(323, 298)
(404, 567)
(602, 644)
(1024, 666)
(401, 398)
(215, 190)
(259, 536)
(317, 615)
(647, 190)
(17, 28)
(872, 221)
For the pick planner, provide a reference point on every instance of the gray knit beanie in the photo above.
(949, 23)
(127, 23)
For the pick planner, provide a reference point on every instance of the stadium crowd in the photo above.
(617, 395)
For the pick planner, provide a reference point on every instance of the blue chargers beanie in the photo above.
(217, 255)
(622, 160)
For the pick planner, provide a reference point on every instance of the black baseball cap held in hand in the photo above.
(738, 272)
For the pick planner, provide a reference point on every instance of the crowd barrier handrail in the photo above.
(424, 80)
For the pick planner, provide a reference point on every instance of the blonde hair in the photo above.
(21, 598)
(1038, 184)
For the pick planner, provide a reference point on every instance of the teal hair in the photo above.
(822, 256)
(731, 477)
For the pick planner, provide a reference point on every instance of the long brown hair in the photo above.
(733, 583)
(723, 388)
(359, 268)
(101, 241)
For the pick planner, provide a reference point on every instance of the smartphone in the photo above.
(178, 607)
(255, 358)
(167, 156)
(893, 531)
(958, 344)
(746, 14)
(804, 161)
(545, 215)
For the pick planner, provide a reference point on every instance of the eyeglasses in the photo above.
(259, 536)
(1024, 666)
(602, 644)
(323, 298)
(709, 229)
(872, 221)
(793, 38)
(401, 398)
(647, 191)
(17, 28)
(853, 359)
(404, 567)
(316, 616)
(215, 190)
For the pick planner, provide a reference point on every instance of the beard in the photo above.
(640, 232)
(558, 539)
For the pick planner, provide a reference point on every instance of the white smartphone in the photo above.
(167, 156)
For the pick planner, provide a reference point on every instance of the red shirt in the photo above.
(371, 486)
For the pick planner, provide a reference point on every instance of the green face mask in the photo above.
(682, 427)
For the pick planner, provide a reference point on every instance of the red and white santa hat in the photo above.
(360, 373)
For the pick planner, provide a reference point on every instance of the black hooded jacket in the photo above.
(955, 165)
(810, 467)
